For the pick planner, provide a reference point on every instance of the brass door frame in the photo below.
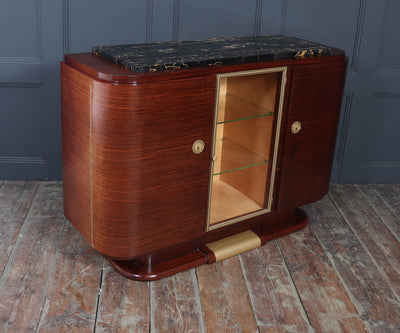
(268, 205)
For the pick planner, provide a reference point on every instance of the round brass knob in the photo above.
(296, 127)
(198, 146)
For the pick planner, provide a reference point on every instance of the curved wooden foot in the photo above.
(211, 252)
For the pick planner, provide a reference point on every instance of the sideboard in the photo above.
(178, 154)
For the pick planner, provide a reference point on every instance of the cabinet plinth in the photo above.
(162, 168)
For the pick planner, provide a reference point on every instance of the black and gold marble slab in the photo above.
(176, 55)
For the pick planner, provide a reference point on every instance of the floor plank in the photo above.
(339, 274)
(23, 285)
(48, 200)
(385, 200)
(72, 294)
(123, 304)
(376, 238)
(175, 304)
(325, 299)
(391, 194)
(226, 302)
(276, 304)
(15, 201)
(369, 291)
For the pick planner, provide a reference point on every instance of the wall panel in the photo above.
(21, 76)
(388, 58)
(162, 20)
(380, 160)
(272, 16)
(104, 22)
(210, 18)
(387, 112)
(19, 25)
(29, 90)
(331, 22)
(34, 35)
(21, 43)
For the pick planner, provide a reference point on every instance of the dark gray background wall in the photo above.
(34, 35)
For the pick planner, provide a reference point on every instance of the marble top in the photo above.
(175, 55)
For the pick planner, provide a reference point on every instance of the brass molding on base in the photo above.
(234, 245)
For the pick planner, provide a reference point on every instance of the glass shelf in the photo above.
(235, 157)
(237, 108)
(244, 155)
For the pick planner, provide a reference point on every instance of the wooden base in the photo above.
(147, 271)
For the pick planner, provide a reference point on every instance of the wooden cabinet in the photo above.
(167, 170)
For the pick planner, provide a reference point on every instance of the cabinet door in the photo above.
(247, 120)
(150, 189)
(306, 164)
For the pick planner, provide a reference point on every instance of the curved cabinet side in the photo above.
(75, 107)
(150, 191)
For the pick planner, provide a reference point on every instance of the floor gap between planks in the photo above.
(340, 273)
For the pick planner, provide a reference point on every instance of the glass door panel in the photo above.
(248, 112)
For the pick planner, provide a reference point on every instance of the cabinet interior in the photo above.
(246, 108)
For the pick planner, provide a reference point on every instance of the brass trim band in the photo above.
(234, 245)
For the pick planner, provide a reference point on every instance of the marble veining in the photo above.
(175, 55)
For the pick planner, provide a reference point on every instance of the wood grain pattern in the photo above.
(149, 189)
(370, 293)
(324, 297)
(175, 305)
(276, 304)
(390, 193)
(226, 302)
(383, 198)
(15, 201)
(73, 289)
(133, 186)
(319, 266)
(157, 266)
(76, 151)
(123, 305)
(306, 163)
(381, 244)
(23, 285)
(227, 202)
(150, 268)
(48, 200)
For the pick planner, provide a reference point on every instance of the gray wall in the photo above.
(34, 35)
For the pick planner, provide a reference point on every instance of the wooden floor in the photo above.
(340, 274)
